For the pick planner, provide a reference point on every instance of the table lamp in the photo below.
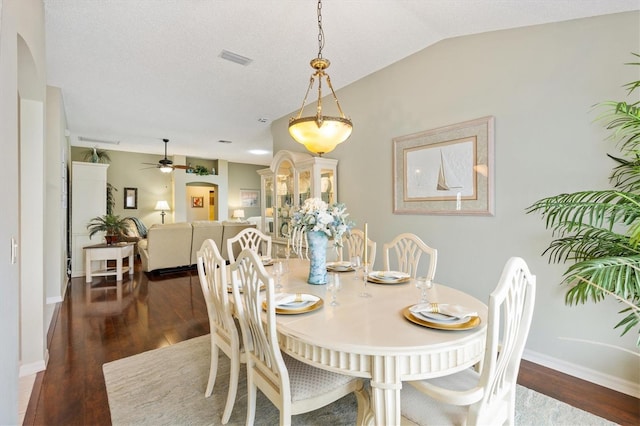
(238, 214)
(162, 205)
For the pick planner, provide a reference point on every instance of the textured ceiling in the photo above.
(137, 71)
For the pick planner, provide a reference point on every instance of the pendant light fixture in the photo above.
(318, 133)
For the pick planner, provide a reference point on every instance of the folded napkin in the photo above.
(455, 311)
(283, 299)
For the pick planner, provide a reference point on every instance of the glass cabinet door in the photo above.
(304, 186)
(290, 180)
(327, 186)
(284, 198)
(268, 203)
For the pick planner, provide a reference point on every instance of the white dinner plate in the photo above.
(339, 266)
(441, 318)
(296, 305)
(467, 324)
(388, 277)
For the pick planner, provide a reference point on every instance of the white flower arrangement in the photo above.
(316, 215)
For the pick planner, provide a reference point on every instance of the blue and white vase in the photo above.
(317, 241)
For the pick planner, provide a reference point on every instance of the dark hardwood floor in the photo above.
(93, 327)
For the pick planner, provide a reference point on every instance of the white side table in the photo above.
(104, 252)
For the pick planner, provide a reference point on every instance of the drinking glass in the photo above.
(333, 286)
(286, 252)
(356, 264)
(278, 270)
(365, 275)
(423, 284)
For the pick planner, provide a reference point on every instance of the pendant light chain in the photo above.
(320, 30)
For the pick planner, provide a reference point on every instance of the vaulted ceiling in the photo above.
(137, 71)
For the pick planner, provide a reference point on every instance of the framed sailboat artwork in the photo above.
(447, 170)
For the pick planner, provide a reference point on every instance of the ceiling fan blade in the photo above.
(165, 162)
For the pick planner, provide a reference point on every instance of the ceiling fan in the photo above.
(165, 165)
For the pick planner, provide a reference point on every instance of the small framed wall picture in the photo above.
(131, 198)
(197, 202)
(249, 197)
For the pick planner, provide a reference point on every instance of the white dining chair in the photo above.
(291, 385)
(355, 246)
(485, 397)
(212, 272)
(408, 249)
(252, 239)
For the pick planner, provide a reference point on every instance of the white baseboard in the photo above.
(32, 368)
(53, 300)
(593, 376)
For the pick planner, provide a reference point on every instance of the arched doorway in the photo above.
(201, 201)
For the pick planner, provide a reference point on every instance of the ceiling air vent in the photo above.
(92, 140)
(234, 57)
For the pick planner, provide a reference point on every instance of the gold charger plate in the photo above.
(472, 323)
(294, 311)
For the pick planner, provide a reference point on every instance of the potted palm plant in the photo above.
(600, 230)
(112, 225)
(96, 155)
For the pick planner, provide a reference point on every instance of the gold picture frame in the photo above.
(447, 170)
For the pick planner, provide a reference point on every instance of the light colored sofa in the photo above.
(176, 245)
(166, 246)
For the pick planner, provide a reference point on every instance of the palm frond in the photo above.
(626, 176)
(634, 84)
(590, 243)
(618, 275)
(624, 120)
(604, 209)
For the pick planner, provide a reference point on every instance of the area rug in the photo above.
(166, 387)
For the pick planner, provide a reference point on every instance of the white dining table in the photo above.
(371, 338)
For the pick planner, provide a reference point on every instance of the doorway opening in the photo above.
(201, 201)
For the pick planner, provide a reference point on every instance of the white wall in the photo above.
(55, 201)
(540, 83)
(32, 299)
(243, 176)
(19, 19)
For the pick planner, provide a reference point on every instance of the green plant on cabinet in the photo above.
(112, 225)
(95, 155)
